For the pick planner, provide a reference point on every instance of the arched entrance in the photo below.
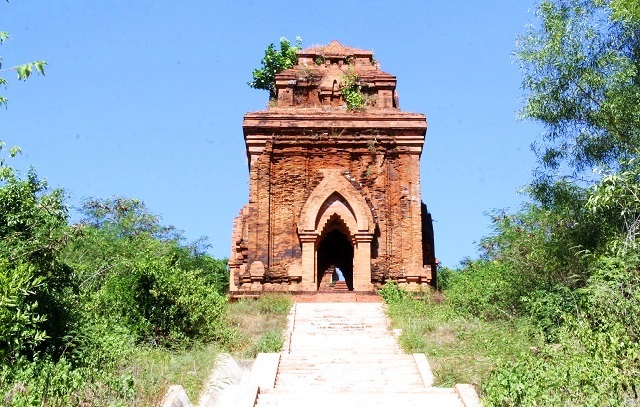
(335, 250)
(336, 228)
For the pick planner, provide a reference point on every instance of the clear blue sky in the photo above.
(145, 99)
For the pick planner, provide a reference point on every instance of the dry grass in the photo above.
(154, 370)
(260, 323)
(460, 349)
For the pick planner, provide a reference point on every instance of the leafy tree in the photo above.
(23, 71)
(133, 272)
(126, 217)
(35, 284)
(581, 67)
(274, 62)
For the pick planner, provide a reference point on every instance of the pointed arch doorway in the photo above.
(336, 228)
(335, 252)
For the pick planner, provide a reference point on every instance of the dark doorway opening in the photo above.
(335, 250)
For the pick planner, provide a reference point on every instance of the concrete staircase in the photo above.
(343, 354)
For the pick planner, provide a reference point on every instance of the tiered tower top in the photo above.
(322, 72)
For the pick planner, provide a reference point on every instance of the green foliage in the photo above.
(269, 342)
(274, 304)
(550, 310)
(581, 66)
(352, 91)
(593, 358)
(391, 293)
(485, 289)
(23, 70)
(139, 274)
(125, 217)
(161, 303)
(444, 276)
(582, 246)
(75, 301)
(36, 285)
(542, 244)
(5, 170)
(59, 383)
(627, 11)
(460, 347)
(616, 200)
(274, 62)
(20, 322)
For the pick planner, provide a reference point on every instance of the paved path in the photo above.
(343, 354)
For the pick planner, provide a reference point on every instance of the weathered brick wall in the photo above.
(307, 132)
(286, 172)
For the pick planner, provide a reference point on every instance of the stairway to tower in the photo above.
(344, 354)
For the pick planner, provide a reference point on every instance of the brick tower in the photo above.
(334, 194)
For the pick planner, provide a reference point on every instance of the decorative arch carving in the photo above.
(336, 205)
(336, 195)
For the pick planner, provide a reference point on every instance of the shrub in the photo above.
(59, 383)
(162, 304)
(20, 323)
(274, 304)
(352, 91)
(392, 293)
(269, 342)
(551, 309)
(485, 289)
(595, 359)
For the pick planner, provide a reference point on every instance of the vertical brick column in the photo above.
(362, 262)
(308, 240)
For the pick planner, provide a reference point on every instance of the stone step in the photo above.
(373, 368)
(364, 363)
(341, 297)
(312, 390)
(353, 389)
(356, 359)
(377, 387)
(360, 399)
(344, 354)
(403, 376)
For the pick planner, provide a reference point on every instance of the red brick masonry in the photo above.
(331, 188)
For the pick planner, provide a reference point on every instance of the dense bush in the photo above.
(460, 348)
(585, 310)
(486, 289)
(35, 286)
(160, 302)
(20, 324)
(593, 354)
(77, 300)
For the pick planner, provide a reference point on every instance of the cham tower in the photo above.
(334, 193)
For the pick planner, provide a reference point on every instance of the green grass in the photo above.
(460, 349)
(154, 370)
(260, 323)
(259, 326)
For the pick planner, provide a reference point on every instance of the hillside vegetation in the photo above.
(549, 313)
(110, 310)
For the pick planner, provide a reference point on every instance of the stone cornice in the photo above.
(312, 119)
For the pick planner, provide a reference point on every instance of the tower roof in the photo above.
(334, 49)
(322, 73)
